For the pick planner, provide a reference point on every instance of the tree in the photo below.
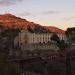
(55, 38)
(30, 29)
(70, 34)
(60, 43)
(63, 46)
(10, 34)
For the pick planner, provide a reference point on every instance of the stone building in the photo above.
(32, 41)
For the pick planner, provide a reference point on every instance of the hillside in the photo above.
(9, 20)
(54, 29)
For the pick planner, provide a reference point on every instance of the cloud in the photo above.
(25, 14)
(69, 18)
(50, 12)
(9, 2)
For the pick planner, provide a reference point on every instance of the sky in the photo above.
(58, 13)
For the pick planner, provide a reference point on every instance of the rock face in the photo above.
(9, 20)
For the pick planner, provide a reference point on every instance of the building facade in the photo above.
(32, 41)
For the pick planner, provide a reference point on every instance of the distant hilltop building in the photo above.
(27, 40)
